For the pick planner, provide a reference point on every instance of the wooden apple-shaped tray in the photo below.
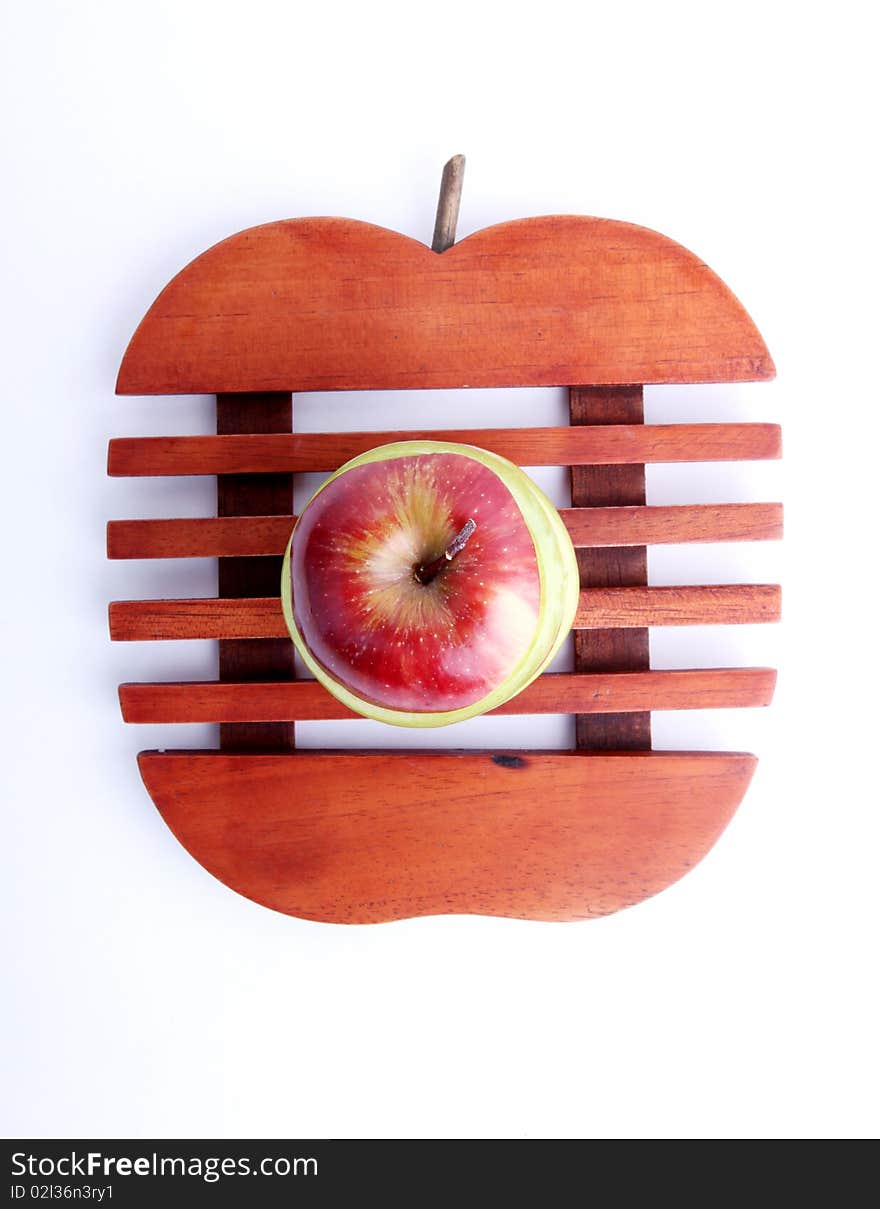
(331, 304)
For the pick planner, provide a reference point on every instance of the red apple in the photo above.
(426, 582)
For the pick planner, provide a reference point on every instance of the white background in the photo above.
(143, 998)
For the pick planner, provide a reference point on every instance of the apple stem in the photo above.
(425, 572)
(448, 204)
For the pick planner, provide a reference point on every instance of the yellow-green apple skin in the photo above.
(391, 625)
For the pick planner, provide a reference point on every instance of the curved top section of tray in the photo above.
(334, 304)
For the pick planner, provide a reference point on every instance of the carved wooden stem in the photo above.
(448, 204)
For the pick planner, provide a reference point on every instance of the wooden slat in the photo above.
(241, 494)
(673, 523)
(139, 620)
(612, 649)
(612, 445)
(361, 837)
(713, 604)
(199, 537)
(324, 304)
(240, 536)
(560, 693)
(716, 604)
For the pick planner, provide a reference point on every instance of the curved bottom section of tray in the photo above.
(364, 837)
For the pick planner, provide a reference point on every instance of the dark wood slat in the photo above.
(562, 693)
(255, 536)
(610, 445)
(715, 604)
(610, 650)
(242, 495)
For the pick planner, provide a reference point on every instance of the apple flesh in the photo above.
(427, 582)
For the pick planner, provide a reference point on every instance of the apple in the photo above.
(427, 582)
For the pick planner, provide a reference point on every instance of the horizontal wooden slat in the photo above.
(238, 536)
(563, 693)
(199, 537)
(711, 604)
(606, 608)
(324, 451)
(146, 620)
(668, 524)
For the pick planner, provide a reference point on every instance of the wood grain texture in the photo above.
(310, 452)
(535, 302)
(558, 692)
(199, 537)
(613, 649)
(714, 604)
(255, 536)
(363, 837)
(705, 604)
(241, 494)
(673, 523)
